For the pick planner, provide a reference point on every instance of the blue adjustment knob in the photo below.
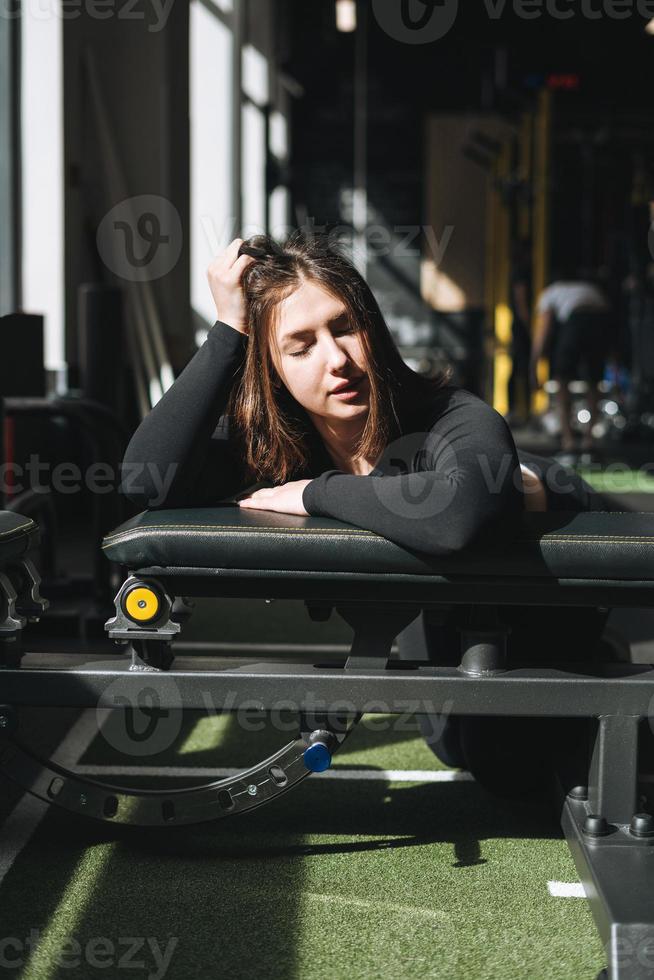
(317, 757)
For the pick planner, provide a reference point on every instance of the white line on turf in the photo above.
(22, 822)
(566, 889)
(383, 775)
(375, 903)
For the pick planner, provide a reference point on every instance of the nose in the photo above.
(336, 356)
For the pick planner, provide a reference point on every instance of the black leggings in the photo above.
(539, 634)
(511, 756)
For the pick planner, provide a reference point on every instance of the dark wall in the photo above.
(484, 64)
(323, 155)
(142, 67)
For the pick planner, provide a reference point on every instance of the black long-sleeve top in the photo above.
(450, 480)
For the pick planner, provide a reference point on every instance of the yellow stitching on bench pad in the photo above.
(19, 528)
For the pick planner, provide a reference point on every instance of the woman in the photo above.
(295, 324)
(316, 401)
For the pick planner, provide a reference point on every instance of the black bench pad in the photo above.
(591, 546)
(18, 535)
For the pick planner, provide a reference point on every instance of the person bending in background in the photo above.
(573, 327)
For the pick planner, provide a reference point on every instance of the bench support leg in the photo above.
(617, 872)
(613, 776)
(375, 628)
(614, 863)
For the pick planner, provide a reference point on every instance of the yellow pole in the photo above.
(541, 179)
(502, 362)
(490, 284)
(524, 174)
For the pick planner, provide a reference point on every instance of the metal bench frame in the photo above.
(611, 842)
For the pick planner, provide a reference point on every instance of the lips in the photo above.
(348, 387)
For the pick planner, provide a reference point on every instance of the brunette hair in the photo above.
(272, 428)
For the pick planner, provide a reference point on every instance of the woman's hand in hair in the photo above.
(225, 274)
(285, 499)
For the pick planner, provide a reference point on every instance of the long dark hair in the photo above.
(272, 427)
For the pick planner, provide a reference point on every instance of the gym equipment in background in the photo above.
(82, 428)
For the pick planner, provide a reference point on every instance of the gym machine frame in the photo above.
(378, 588)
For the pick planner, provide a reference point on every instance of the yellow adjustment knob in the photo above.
(142, 604)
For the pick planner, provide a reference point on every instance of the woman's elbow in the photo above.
(456, 540)
(475, 531)
(445, 539)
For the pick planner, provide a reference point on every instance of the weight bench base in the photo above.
(617, 872)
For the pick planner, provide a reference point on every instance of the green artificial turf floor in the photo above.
(340, 878)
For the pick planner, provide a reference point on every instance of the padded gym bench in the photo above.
(20, 601)
(596, 560)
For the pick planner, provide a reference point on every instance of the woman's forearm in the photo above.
(469, 491)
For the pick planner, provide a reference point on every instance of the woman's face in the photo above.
(325, 355)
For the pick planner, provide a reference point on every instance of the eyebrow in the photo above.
(308, 330)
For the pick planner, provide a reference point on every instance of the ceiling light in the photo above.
(346, 15)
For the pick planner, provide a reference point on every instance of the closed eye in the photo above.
(305, 350)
